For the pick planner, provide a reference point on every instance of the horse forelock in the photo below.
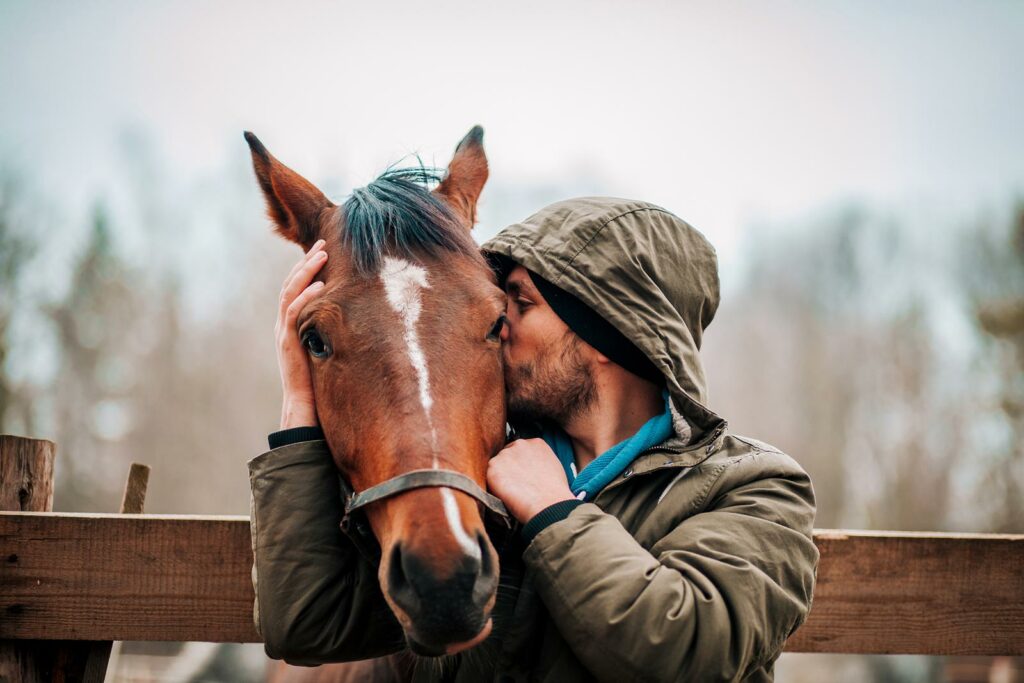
(397, 215)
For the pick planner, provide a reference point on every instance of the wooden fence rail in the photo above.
(187, 578)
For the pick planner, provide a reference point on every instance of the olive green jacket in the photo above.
(695, 564)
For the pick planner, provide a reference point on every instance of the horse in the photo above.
(411, 425)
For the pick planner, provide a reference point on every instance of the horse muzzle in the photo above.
(441, 610)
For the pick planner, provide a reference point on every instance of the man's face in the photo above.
(547, 375)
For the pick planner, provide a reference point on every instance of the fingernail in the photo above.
(321, 255)
(317, 285)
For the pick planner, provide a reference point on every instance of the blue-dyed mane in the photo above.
(397, 214)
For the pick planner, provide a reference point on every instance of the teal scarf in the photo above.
(612, 462)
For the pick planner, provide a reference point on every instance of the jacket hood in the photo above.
(646, 271)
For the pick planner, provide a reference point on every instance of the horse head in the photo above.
(405, 355)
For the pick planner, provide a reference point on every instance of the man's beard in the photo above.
(557, 386)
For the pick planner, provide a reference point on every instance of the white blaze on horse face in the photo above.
(403, 282)
(451, 511)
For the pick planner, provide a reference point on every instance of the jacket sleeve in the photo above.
(712, 600)
(317, 599)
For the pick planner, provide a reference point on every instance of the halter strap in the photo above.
(415, 479)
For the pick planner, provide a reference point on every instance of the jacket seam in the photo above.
(716, 475)
(757, 447)
(726, 465)
(597, 232)
(254, 534)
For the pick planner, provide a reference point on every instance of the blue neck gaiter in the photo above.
(612, 462)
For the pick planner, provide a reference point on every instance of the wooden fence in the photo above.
(104, 577)
(162, 577)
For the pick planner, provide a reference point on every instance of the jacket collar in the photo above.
(685, 448)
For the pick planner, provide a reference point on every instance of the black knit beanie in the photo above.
(587, 324)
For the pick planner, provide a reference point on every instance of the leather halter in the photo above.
(415, 479)
(356, 527)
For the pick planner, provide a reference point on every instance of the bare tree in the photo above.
(830, 348)
(17, 248)
(993, 271)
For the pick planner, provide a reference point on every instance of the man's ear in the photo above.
(293, 203)
(466, 176)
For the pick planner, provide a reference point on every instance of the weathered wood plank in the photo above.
(111, 577)
(187, 578)
(907, 593)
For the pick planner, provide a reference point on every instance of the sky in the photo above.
(730, 114)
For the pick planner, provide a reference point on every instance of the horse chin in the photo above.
(422, 650)
(456, 648)
(437, 650)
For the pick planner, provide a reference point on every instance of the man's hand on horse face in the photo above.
(527, 477)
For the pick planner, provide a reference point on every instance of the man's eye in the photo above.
(522, 304)
(314, 343)
(495, 333)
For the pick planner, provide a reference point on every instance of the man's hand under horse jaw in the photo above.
(527, 477)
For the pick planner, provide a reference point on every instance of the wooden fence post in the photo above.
(26, 474)
(26, 485)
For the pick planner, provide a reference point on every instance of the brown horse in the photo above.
(406, 361)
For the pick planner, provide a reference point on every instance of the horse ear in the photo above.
(293, 203)
(466, 176)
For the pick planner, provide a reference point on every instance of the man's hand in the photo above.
(527, 477)
(298, 408)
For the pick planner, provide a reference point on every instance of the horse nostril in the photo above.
(398, 580)
(486, 556)
(486, 581)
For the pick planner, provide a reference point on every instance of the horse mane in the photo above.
(397, 214)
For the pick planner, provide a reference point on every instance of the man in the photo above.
(656, 544)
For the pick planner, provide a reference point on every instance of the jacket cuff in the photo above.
(286, 437)
(548, 516)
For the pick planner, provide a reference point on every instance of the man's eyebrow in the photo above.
(517, 287)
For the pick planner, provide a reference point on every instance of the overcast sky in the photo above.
(723, 112)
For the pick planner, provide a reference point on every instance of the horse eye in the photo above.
(495, 333)
(315, 344)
